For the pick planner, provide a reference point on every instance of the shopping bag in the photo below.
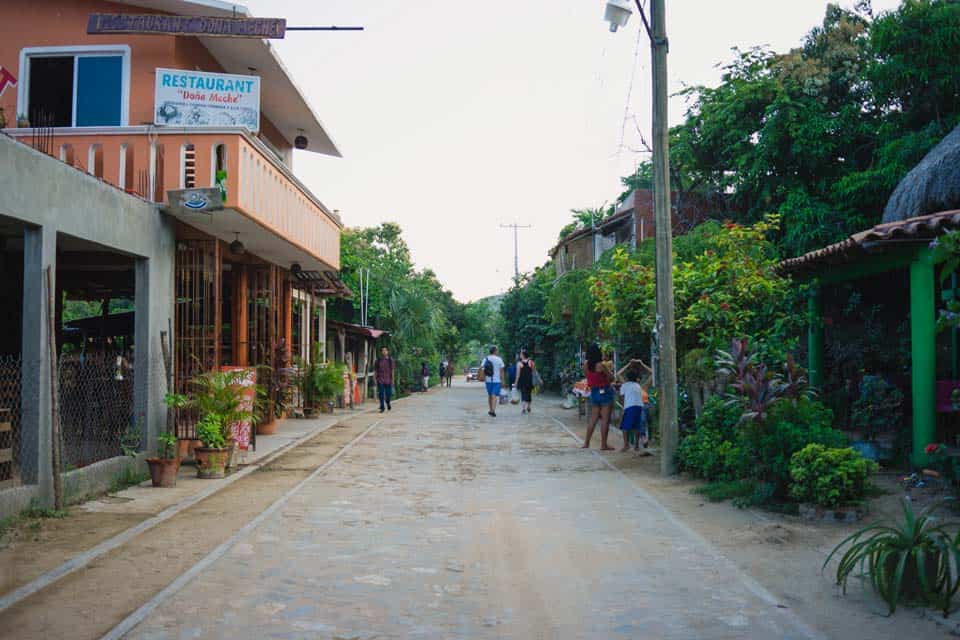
(515, 396)
(504, 397)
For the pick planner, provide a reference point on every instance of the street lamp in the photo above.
(617, 13)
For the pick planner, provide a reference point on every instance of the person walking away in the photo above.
(448, 373)
(599, 379)
(383, 371)
(525, 369)
(493, 371)
(441, 370)
(425, 376)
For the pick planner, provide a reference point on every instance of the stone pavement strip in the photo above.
(445, 523)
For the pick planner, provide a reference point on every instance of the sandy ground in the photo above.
(783, 553)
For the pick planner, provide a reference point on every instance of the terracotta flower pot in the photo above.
(211, 463)
(163, 471)
(267, 428)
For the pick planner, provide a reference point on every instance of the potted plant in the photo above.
(263, 411)
(212, 456)
(907, 561)
(221, 393)
(164, 467)
(305, 380)
(327, 380)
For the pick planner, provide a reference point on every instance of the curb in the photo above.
(83, 559)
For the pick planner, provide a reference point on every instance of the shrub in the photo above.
(706, 454)
(721, 416)
(712, 451)
(829, 477)
(210, 431)
(788, 429)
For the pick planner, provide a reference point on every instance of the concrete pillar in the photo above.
(815, 337)
(153, 279)
(39, 252)
(923, 353)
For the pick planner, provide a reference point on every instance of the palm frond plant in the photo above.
(914, 561)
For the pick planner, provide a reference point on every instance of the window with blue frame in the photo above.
(75, 90)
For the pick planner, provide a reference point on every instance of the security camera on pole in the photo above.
(617, 13)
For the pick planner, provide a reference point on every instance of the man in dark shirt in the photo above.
(383, 370)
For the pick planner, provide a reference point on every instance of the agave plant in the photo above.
(914, 560)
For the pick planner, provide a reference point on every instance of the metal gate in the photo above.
(197, 330)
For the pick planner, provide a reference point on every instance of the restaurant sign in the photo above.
(197, 99)
(158, 24)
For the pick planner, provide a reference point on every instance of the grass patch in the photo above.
(129, 476)
(36, 512)
(726, 490)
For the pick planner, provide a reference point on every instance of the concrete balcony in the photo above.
(275, 216)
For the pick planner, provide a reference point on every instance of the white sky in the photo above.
(455, 116)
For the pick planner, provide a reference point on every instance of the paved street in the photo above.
(444, 523)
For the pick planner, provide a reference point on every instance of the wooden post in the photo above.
(240, 326)
(56, 451)
(667, 398)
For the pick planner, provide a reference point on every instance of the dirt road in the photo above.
(443, 522)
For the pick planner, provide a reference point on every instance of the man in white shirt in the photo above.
(493, 372)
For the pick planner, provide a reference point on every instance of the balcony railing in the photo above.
(149, 161)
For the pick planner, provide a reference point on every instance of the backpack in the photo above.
(487, 368)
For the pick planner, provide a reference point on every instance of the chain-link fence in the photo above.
(97, 416)
(12, 463)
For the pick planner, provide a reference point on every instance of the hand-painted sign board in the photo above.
(159, 24)
(246, 379)
(198, 99)
(197, 200)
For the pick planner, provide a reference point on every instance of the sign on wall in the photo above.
(198, 99)
(106, 23)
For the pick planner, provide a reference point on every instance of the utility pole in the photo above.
(617, 13)
(516, 247)
(667, 400)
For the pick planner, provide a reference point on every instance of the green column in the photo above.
(923, 352)
(815, 337)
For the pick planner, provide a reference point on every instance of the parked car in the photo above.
(472, 373)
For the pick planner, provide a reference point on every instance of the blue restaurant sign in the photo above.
(185, 98)
(159, 24)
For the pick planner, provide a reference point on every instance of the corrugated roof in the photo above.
(918, 229)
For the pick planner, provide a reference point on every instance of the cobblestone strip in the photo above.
(140, 614)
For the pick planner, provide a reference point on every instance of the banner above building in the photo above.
(160, 24)
(197, 99)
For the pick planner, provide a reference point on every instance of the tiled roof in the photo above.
(919, 229)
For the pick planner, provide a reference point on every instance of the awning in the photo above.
(321, 283)
(877, 239)
(357, 329)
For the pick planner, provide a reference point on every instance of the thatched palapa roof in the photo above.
(933, 185)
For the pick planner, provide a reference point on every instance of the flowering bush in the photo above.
(725, 284)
